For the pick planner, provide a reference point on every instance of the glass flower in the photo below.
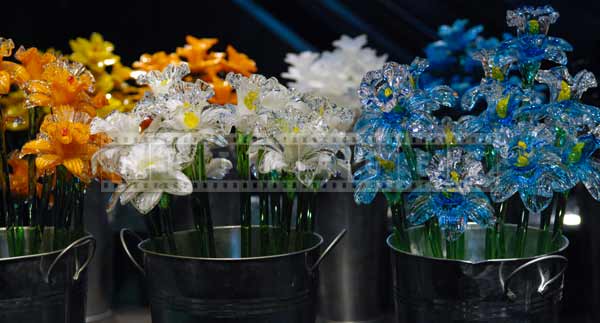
(453, 210)
(14, 111)
(391, 177)
(34, 61)
(453, 193)
(65, 140)
(456, 171)
(532, 44)
(196, 53)
(10, 72)
(161, 82)
(257, 99)
(578, 157)
(335, 74)
(395, 106)
(62, 83)
(95, 52)
(148, 170)
(529, 166)
(155, 62)
(565, 108)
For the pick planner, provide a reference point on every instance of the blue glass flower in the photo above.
(450, 57)
(578, 157)
(380, 175)
(565, 108)
(453, 195)
(532, 45)
(394, 106)
(529, 166)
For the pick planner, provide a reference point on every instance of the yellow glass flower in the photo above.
(63, 83)
(156, 62)
(95, 53)
(65, 139)
(14, 111)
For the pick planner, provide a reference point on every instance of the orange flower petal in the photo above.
(4, 82)
(47, 162)
(17, 72)
(77, 167)
(38, 146)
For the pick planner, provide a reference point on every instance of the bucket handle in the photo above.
(73, 246)
(541, 289)
(327, 250)
(135, 235)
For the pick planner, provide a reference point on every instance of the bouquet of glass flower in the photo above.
(514, 137)
(43, 180)
(292, 143)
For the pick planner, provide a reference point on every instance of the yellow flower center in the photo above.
(296, 129)
(565, 92)
(521, 144)
(386, 164)
(449, 136)
(164, 82)
(455, 176)
(186, 104)
(321, 111)
(190, 119)
(502, 107)
(249, 100)
(497, 73)
(387, 92)
(534, 26)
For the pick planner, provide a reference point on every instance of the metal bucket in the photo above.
(49, 287)
(100, 271)
(519, 290)
(353, 279)
(276, 288)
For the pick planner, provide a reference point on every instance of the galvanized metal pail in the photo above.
(527, 289)
(274, 288)
(353, 279)
(48, 287)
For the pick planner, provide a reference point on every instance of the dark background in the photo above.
(267, 30)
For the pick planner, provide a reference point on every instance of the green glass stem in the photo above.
(545, 236)
(399, 224)
(559, 215)
(411, 156)
(495, 241)
(528, 72)
(521, 234)
(166, 221)
(7, 206)
(243, 167)
(434, 235)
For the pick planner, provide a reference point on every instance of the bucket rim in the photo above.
(476, 262)
(37, 255)
(298, 252)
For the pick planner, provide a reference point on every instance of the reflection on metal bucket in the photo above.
(352, 284)
(184, 287)
(519, 290)
(49, 287)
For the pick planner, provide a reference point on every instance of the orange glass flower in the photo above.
(65, 140)
(196, 53)
(33, 61)
(155, 62)
(19, 177)
(10, 73)
(62, 83)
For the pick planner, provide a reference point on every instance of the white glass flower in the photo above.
(456, 171)
(150, 169)
(335, 74)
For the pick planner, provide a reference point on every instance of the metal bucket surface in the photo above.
(515, 290)
(274, 288)
(47, 287)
